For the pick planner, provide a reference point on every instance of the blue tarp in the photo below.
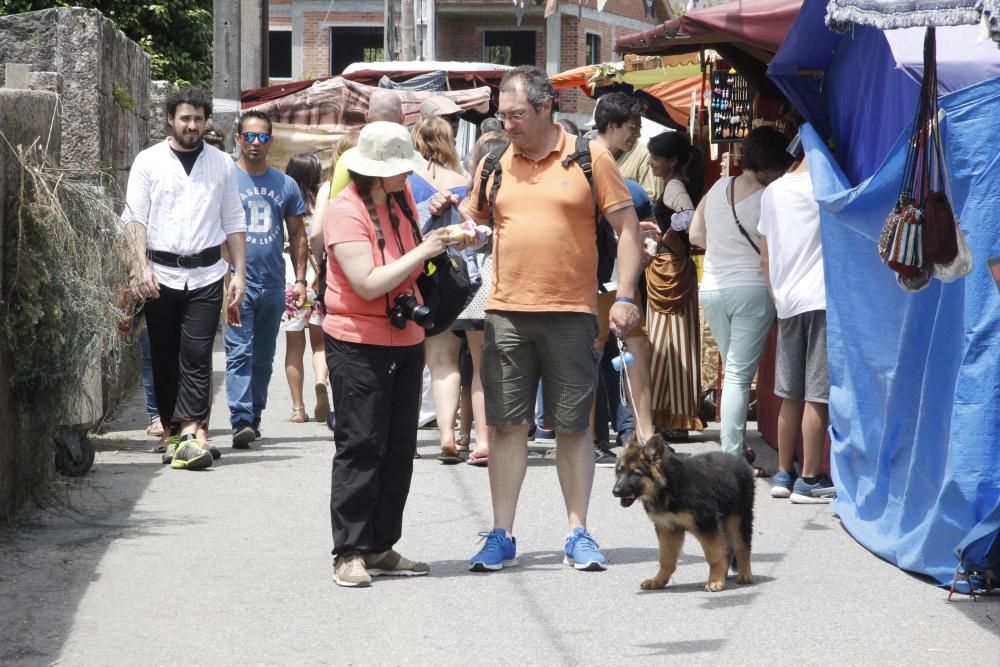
(860, 89)
(915, 378)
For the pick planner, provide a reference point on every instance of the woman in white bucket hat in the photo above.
(374, 349)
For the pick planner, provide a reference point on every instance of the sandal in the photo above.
(750, 455)
(155, 428)
(299, 415)
(463, 441)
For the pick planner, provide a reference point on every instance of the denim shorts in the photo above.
(522, 348)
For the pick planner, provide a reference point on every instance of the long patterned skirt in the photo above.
(676, 371)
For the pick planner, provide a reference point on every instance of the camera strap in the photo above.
(379, 237)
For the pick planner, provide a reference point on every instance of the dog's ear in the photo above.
(654, 449)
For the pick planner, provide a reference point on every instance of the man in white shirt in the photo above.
(791, 255)
(182, 204)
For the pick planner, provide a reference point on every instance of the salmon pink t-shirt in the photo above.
(349, 317)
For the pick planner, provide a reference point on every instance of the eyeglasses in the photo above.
(517, 115)
(262, 137)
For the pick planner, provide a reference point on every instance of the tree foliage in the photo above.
(177, 34)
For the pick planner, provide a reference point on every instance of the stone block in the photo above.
(25, 116)
(105, 84)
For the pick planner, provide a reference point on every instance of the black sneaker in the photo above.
(243, 434)
(256, 427)
(603, 456)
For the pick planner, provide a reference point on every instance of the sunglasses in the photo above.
(262, 137)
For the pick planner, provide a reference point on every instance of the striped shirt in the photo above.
(184, 214)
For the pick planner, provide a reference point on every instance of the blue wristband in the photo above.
(625, 299)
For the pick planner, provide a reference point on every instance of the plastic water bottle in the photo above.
(627, 357)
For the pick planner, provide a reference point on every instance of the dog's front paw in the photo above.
(653, 584)
(744, 579)
(715, 586)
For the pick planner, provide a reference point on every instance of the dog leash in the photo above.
(625, 394)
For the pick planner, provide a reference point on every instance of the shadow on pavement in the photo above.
(48, 564)
(683, 648)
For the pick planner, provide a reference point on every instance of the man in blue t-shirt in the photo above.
(269, 197)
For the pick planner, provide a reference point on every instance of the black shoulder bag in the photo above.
(731, 196)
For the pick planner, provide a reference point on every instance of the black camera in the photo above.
(405, 307)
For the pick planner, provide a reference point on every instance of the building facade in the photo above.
(311, 39)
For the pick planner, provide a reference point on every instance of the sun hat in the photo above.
(438, 105)
(383, 150)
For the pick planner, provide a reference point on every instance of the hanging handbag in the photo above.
(901, 241)
(961, 265)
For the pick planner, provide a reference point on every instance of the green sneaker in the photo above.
(172, 443)
(190, 455)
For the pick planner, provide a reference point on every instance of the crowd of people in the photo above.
(337, 261)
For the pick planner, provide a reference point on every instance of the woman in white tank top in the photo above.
(733, 292)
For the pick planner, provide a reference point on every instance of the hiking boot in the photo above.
(603, 456)
(499, 549)
(821, 490)
(190, 455)
(172, 442)
(349, 571)
(243, 435)
(391, 564)
(781, 484)
(583, 552)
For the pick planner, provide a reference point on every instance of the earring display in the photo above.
(731, 107)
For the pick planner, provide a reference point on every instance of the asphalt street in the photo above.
(138, 564)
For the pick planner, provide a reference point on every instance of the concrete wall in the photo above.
(24, 116)
(101, 121)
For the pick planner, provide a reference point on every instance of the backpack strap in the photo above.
(491, 166)
(583, 158)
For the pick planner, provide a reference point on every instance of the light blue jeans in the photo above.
(740, 319)
(250, 353)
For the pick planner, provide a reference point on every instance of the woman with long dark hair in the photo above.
(305, 169)
(672, 282)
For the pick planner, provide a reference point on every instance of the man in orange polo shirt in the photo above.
(541, 316)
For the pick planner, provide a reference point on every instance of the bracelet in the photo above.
(625, 299)
(300, 280)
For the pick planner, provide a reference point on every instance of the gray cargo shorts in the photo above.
(521, 348)
(800, 369)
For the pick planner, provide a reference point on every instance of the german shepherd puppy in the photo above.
(708, 495)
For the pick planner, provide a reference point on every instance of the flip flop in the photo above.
(478, 461)
(449, 459)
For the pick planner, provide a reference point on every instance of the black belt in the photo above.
(207, 257)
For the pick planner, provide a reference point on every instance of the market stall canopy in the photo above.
(895, 14)
(747, 33)
(458, 73)
(669, 68)
(756, 26)
(311, 119)
(859, 90)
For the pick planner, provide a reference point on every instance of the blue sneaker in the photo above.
(583, 552)
(820, 491)
(545, 435)
(781, 484)
(499, 550)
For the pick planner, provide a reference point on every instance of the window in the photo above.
(279, 54)
(509, 47)
(355, 44)
(593, 49)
